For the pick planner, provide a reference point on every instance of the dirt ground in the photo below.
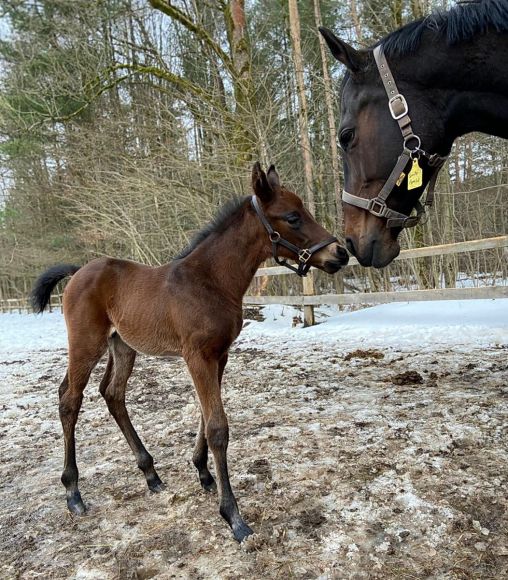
(367, 464)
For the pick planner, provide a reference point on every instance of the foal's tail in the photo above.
(41, 292)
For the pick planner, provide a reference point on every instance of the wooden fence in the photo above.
(22, 305)
(396, 296)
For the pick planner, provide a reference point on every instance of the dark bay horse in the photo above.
(404, 102)
(190, 307)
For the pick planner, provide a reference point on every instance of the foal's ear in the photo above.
(262, 184)
(273, 178)
(342, 51)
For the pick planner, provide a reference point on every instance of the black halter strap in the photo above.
(303, 254)
(411, 149)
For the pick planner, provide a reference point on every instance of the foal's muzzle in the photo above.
(333, 265)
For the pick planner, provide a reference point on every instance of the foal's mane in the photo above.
(224, 218)
(466, 19)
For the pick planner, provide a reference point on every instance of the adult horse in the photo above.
(404, 102)
(191, 307)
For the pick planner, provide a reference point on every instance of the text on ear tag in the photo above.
(415, 176)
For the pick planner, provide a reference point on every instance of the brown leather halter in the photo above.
(411, 150)
(303, 255)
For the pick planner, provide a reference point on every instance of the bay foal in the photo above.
(190, 307)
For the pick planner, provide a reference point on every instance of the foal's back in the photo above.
(135, 300)
(155, 310)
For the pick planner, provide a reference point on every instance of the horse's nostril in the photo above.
(350, 246)
(342, 255)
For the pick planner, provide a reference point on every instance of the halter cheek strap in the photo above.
(303, 254)
(412, 148)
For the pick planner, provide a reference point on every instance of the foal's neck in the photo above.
(229, 259)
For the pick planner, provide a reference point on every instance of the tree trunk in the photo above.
(294, 28)
(242, 82)
(331, 117)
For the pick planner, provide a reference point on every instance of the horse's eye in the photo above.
(346, 137)
(293, 219)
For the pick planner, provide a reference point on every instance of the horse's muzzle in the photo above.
(374, 252)
(334, 265)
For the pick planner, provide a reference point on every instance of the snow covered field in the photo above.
(373, 445)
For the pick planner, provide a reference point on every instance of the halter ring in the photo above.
(418, 140)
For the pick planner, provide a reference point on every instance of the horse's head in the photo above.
(372, 141)
(286, 219)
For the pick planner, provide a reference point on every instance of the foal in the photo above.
(191, 307)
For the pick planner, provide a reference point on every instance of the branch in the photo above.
(177, 14)
(180, 82)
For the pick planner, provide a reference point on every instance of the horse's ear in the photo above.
(273, 177)
(342, 51)
(260, 184)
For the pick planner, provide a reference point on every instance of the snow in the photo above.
(403, 325)
(341, 470)
(400, 325)
(22, 332)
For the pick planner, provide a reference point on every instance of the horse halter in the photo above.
(303, 254)
(399, 111)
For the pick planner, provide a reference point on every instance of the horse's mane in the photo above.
(460, 23)
(222, 220)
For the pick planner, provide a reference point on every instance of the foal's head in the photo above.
(288, 216)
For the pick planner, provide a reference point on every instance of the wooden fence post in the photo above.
(308, 290)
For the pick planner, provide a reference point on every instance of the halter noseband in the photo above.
(303, 254)
(399, 111)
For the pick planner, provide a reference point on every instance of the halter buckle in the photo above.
(274, 237)
(398, 100)
(376, 207)
(304, 255)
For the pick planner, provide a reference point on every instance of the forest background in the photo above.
(124, 124)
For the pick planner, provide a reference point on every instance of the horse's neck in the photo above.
(230, 259)
(470, 81)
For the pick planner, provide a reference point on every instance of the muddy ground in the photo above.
(369, 464)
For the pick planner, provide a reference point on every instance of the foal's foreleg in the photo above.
(200, 456)
(205, 375)
(120, 364)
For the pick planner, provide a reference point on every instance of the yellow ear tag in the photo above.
(415, 176)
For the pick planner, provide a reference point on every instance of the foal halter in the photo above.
(303, 254)
(399, 111)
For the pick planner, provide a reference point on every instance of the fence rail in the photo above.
(22, 304)
(442, 250)
(384, 297)
(488, 292)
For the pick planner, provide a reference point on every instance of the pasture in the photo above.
(357, 450)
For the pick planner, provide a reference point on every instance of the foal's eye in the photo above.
(293, 219)
(346, 137)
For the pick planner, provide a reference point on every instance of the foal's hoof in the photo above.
(156, 485)
(75, 504)
(209, 484)
(241, 531)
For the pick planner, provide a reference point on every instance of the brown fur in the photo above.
(191, 307)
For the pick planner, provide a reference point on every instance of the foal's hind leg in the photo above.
(120, 364)
(82, 360)
(200, 456)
